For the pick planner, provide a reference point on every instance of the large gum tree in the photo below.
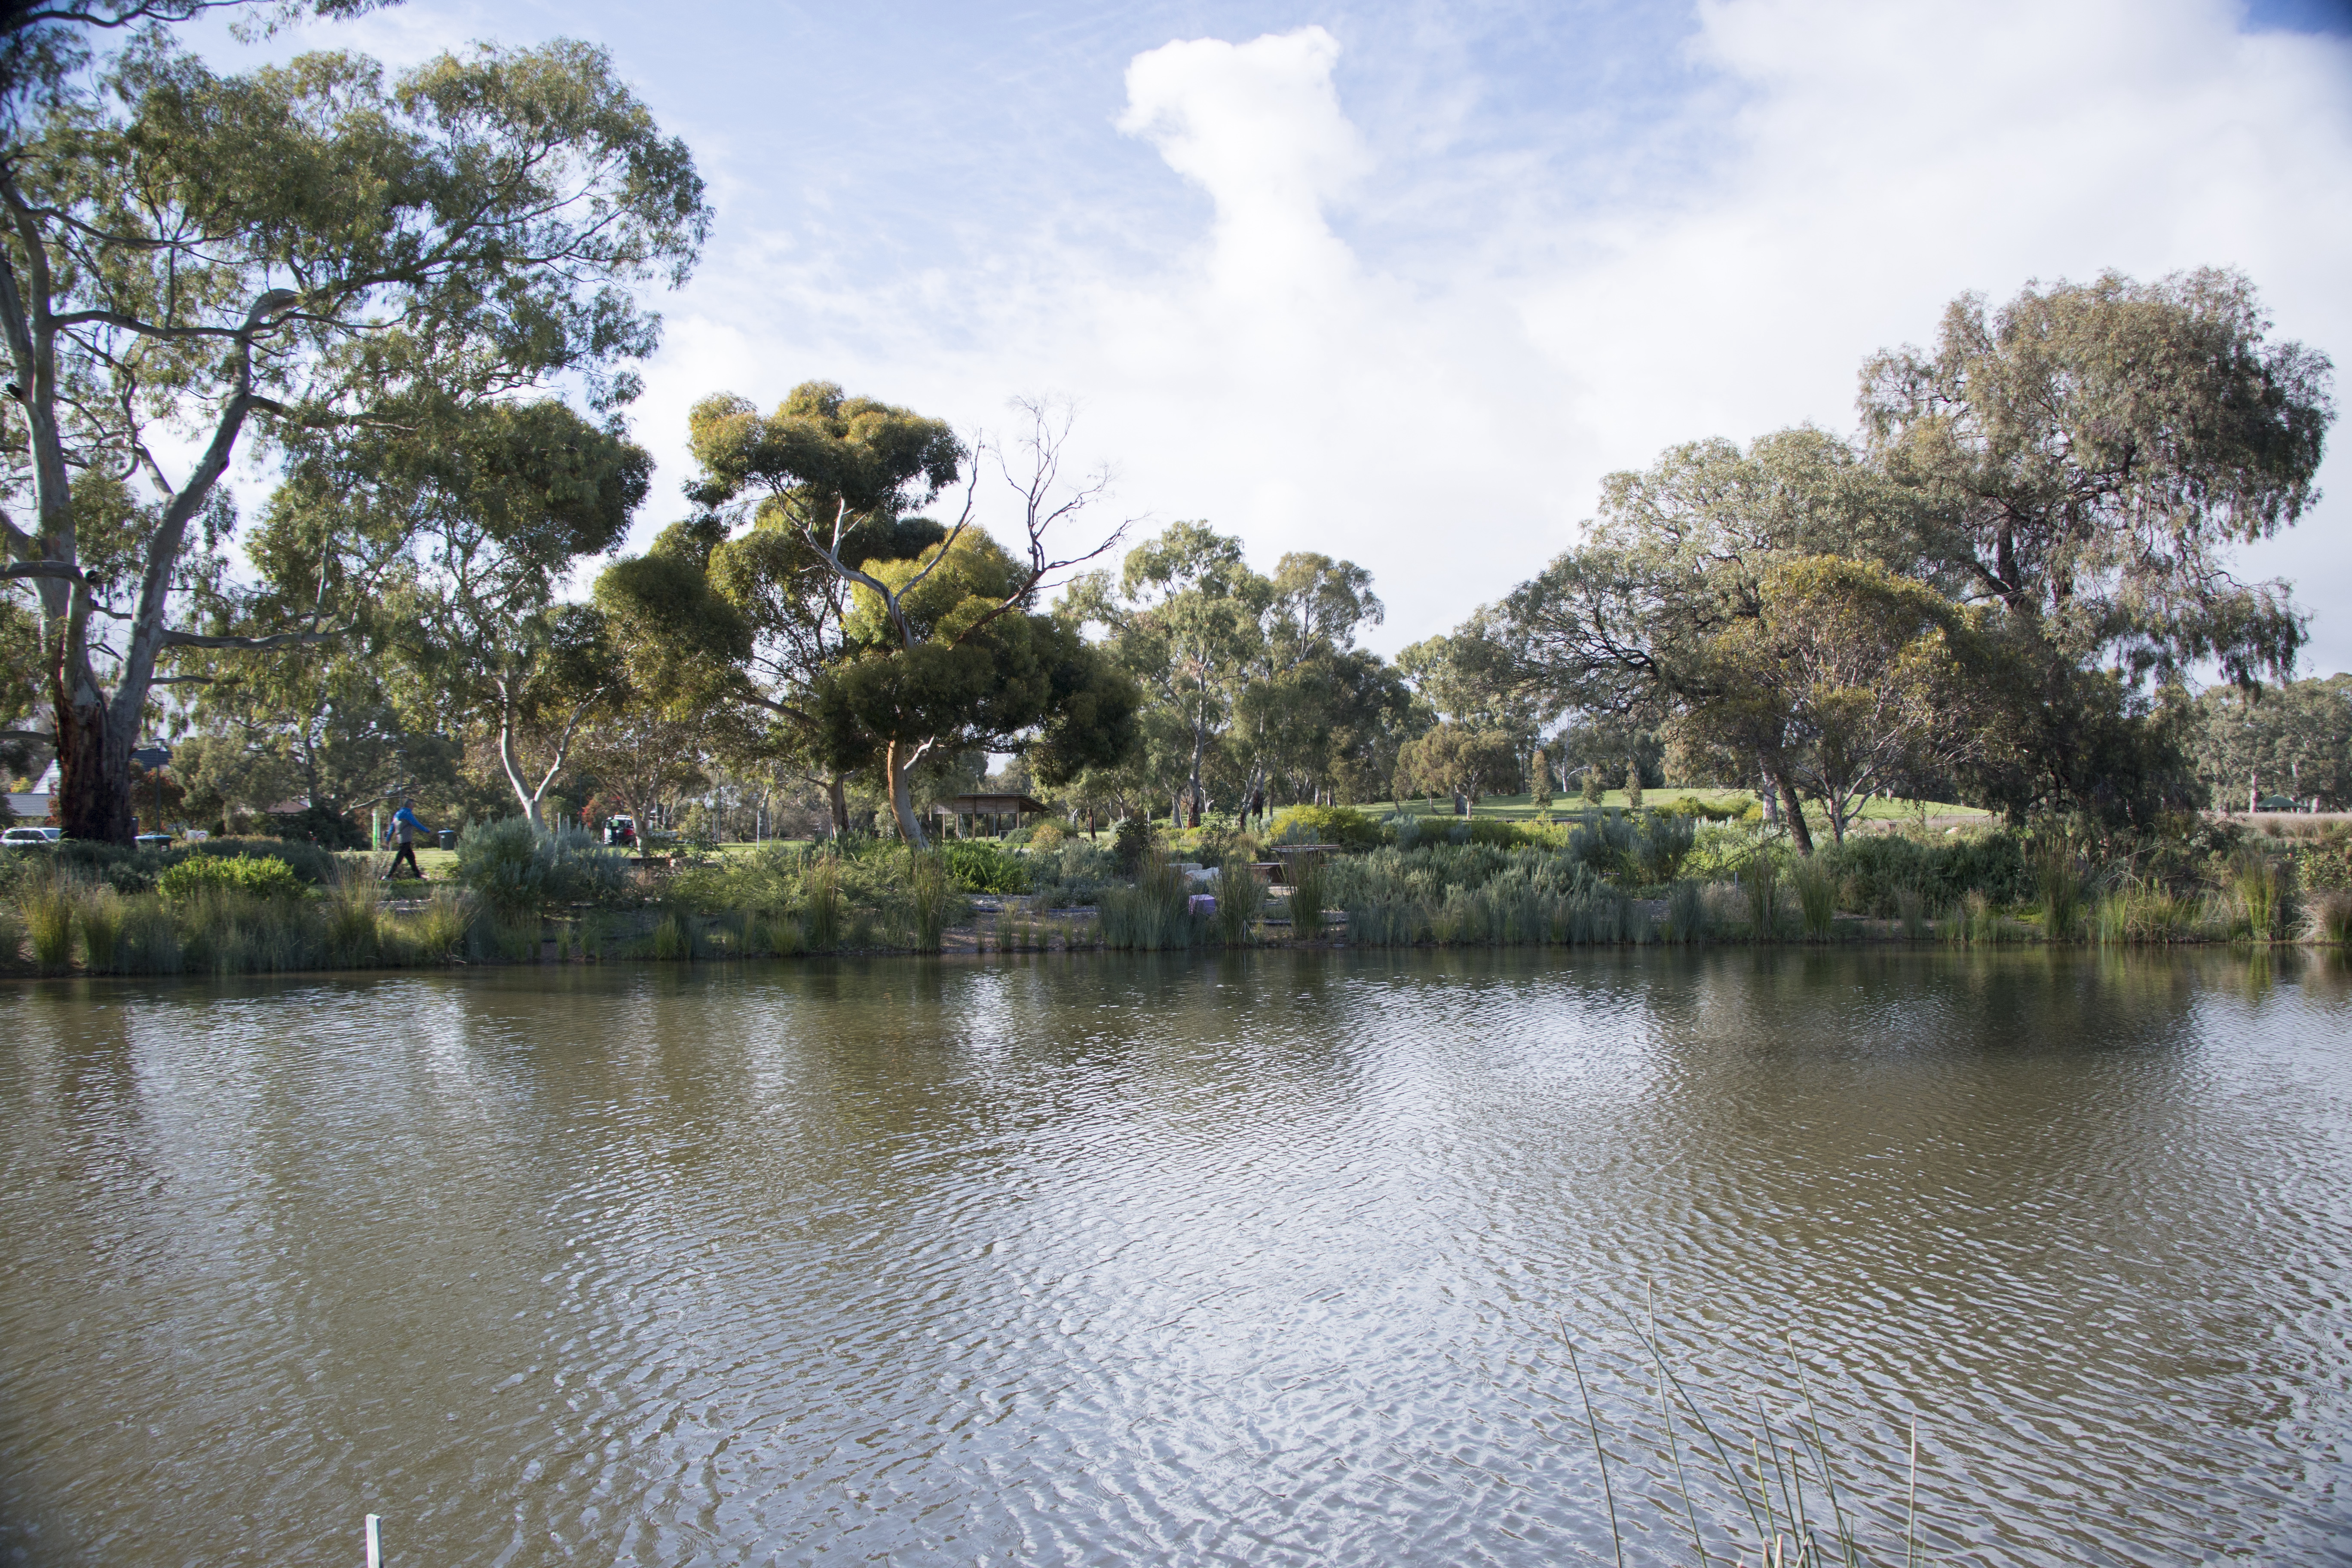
(289, 263)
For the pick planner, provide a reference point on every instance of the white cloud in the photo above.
(1446, 426)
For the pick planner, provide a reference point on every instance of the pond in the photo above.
(1274, 1258)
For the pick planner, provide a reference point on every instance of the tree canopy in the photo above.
(312, 261)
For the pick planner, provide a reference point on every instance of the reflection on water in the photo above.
(1251, 1259)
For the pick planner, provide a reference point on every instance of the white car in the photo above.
(27, 836)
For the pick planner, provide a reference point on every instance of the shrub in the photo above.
(518, 869)
(265, 877)
(982, 866)
(1131, 844)
(1340, 825)
(1875, 865)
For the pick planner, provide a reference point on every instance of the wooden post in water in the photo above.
(374, 1545)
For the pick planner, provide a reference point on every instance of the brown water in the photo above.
(1252, 1260)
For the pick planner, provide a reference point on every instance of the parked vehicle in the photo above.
(152, 840)
(622, 831)
(26, 837)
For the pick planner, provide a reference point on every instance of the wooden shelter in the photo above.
(986, 815)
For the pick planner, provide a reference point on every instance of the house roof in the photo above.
(1019, 803)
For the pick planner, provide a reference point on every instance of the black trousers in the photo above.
(408, 854)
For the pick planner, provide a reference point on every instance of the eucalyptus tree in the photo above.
(1847, 680)
(1316, 715)
(2293, 739)
(742, 600)
(2086, 456)
(941, 649)
(300, 260)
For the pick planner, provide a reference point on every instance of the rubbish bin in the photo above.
(448, 837)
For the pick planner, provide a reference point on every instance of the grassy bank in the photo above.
(1671, 876)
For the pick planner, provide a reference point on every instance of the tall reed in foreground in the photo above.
(1724, 1484)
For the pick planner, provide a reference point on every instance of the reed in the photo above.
(1240, 900)
(1307, 891)
(821, 904)
(671, 938)
(12, 938)
(2058, 876)
(1911, 913)
(1760, 878)
(1688, 919)
(1816, 889)
(2255, 878)
(352, 911)
(150, 939)
(930, 895)
(1152, 916)
(1726, 1486)
(2327, 916)
(47, 906)
(99, 911)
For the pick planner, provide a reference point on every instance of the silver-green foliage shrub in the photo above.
(518, 869)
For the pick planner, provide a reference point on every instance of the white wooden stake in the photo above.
(374, 1546)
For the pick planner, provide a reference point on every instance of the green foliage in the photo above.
(1131, 844)
(1815, 883)
(1309, 889)
(264, 878)
(518, 869)
(99, 912)
(1340, 825)
(1874, 867)
(47, 905)
(2261, 889)
(982, 866)
(929, 884)
(1154, 913)
(821, 905)
(1240, 899)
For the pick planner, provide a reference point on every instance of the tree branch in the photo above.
(42, 569)
(283, 639)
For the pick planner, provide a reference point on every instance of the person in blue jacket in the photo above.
(404, 829)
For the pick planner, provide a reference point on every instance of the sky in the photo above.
(1401, 282)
